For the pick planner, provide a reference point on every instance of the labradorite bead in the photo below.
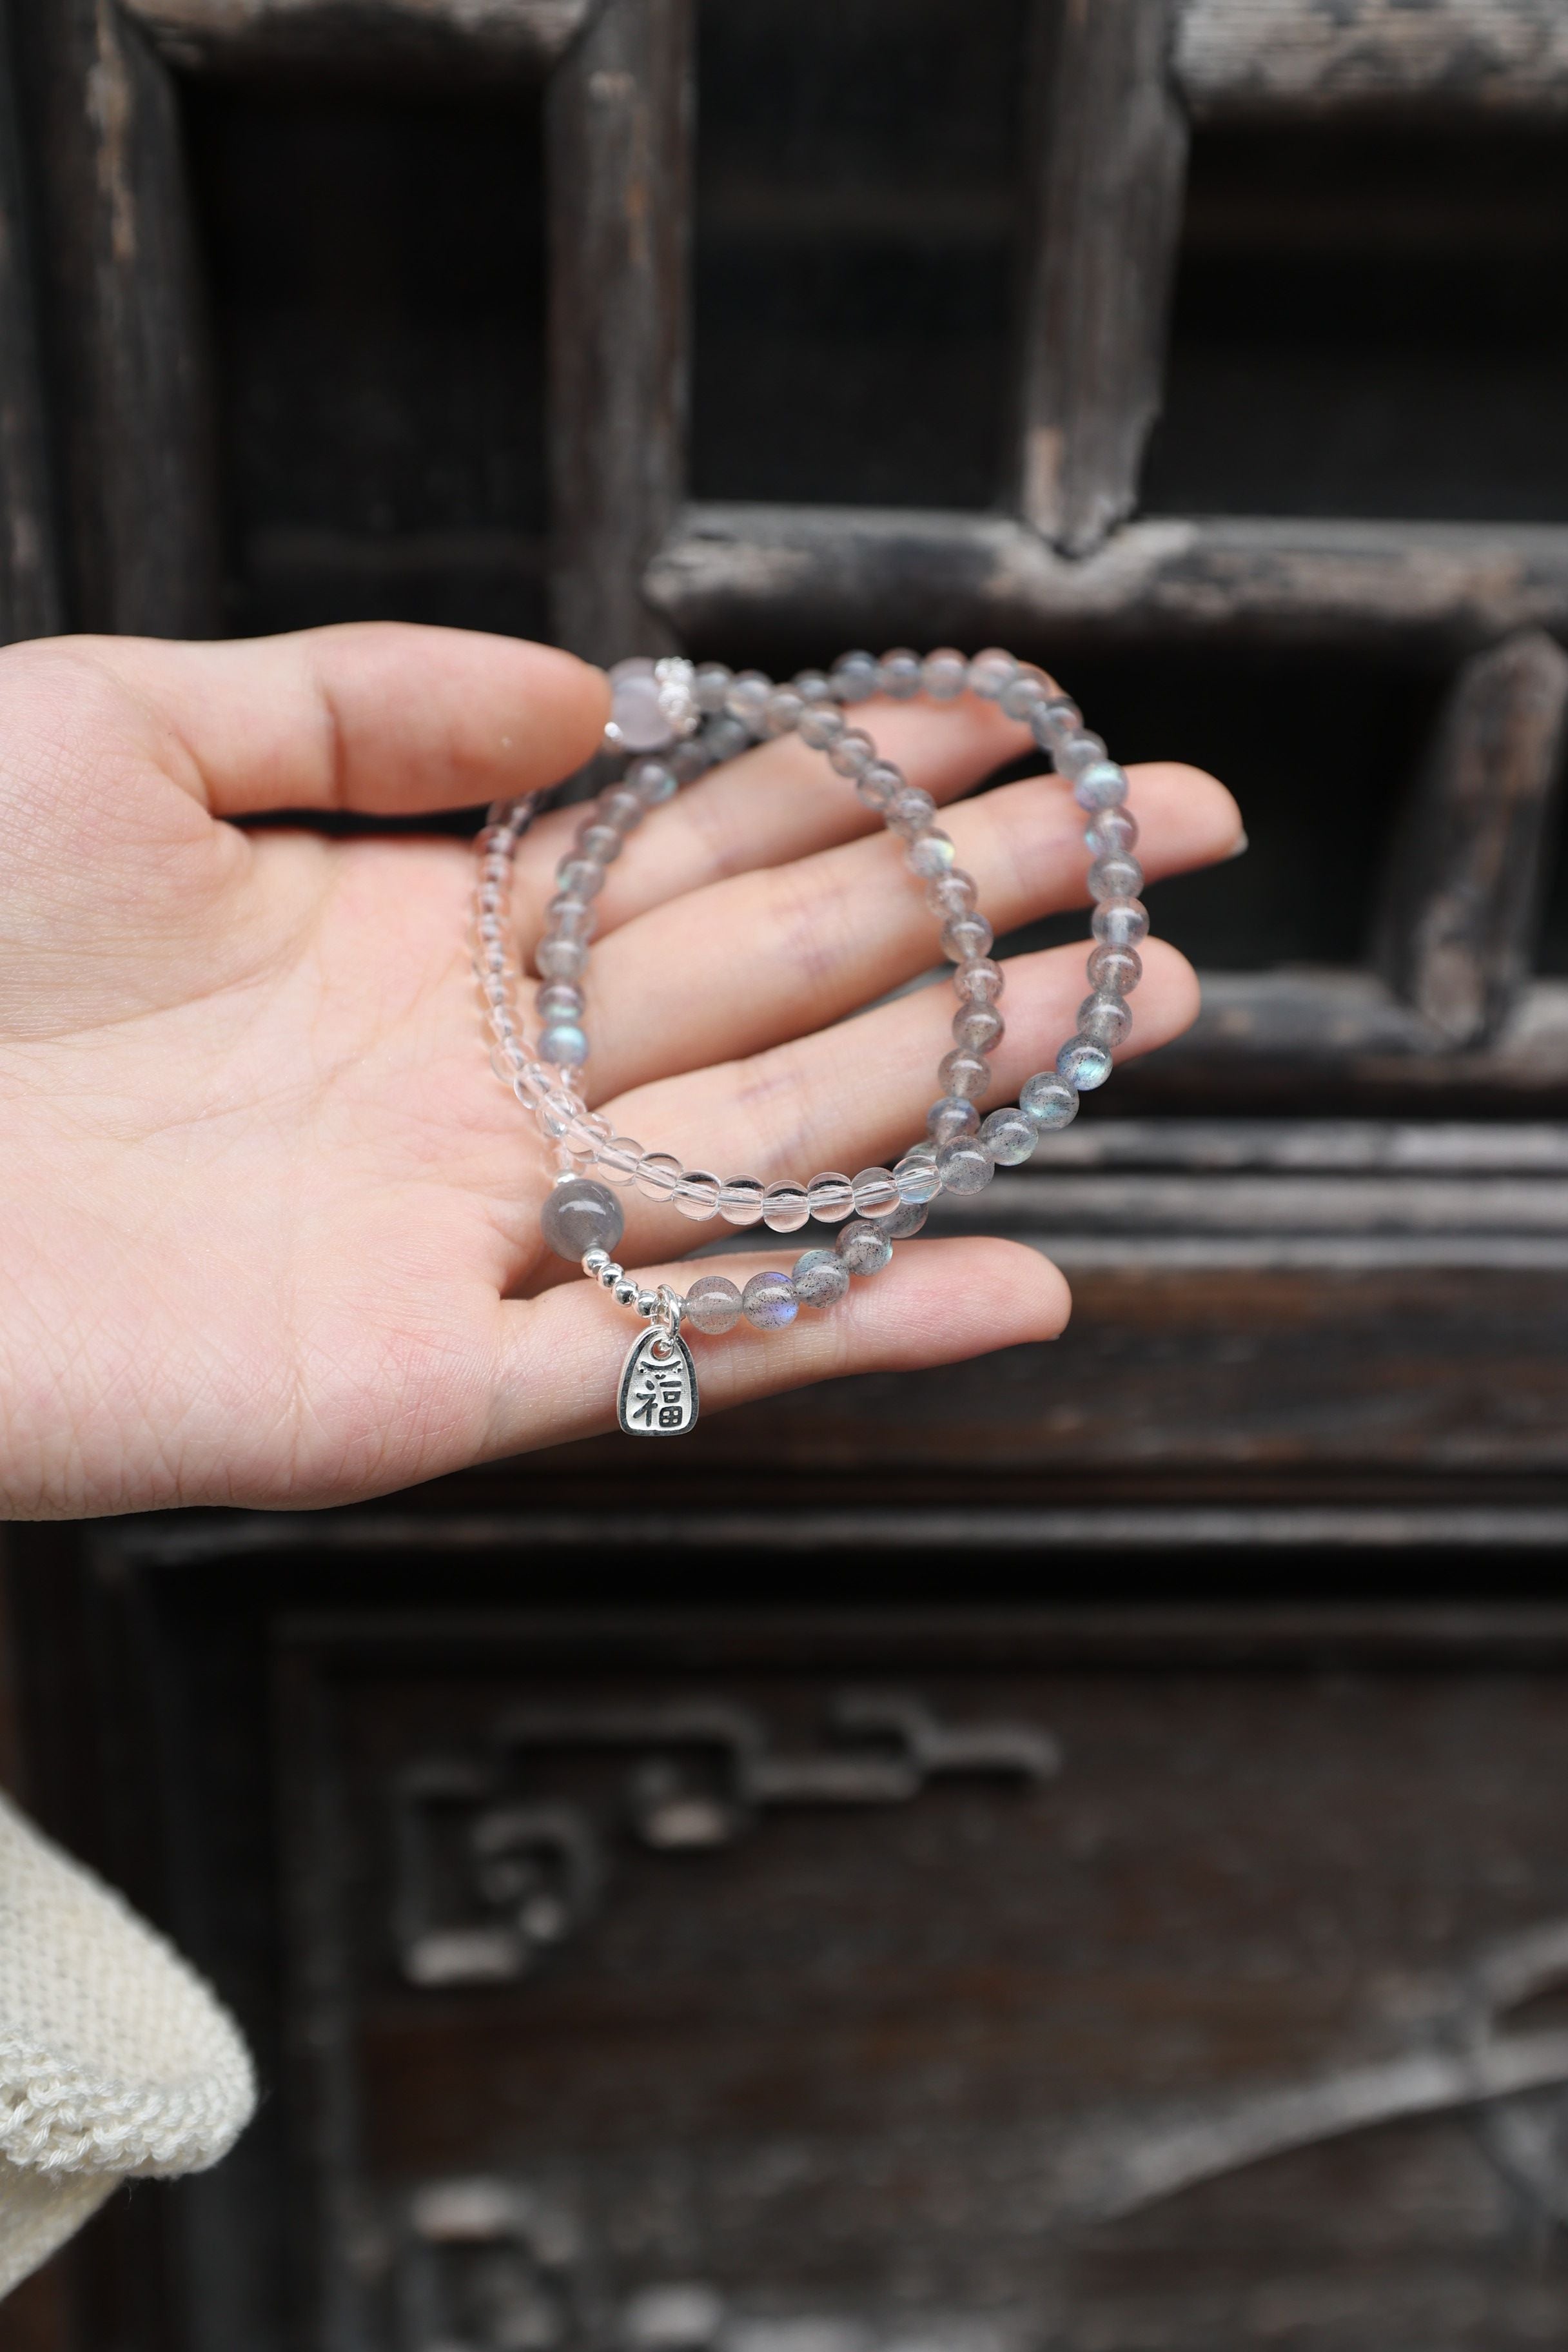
(1083, 1064)
(864, 1248)
(820, 1276)
(769, 1301)
(580, 1214)
(713, 1304)
(965, 1166)
(907, 1219)
(1047, 1102)
(566, 1043)
(1009, 1137)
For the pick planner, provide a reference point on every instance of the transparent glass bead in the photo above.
(560, 959)
(769, 1302)
(831, 1197)
(1009, 1137)
(989, 672)
(916, 1176)
(906, 1218)
(876, 1193)
(821, 725)
(981, 980)
(785, 1207)
(945, 674)
(570, 918)
(782, 712)
(820, 1277)
(953, 893)
(658, 1173)
(599, 845)
(1115, 878)
(978, 1026)
(949, 1118)
(580, 1214)
(713, 1304)
(697, 1195)
(621, 808)
(910, 810)
(813, 685)
(1111, 833)
(931, 852)
(653, 781)
(856, 677)
(1026, 692)
(899, 674)
(1115, 970)
(620, 1159)
(726, 739)
(1106, 1019)
(690, 759)
(748, 699)
(558, 1000)
(566, 1043)
(579, 877)
(879, 783)
(711, 685)
(1102, 786)
(964, 1166)
(864, 1248)
(1122, 923)
(584, 1135)
(1083, 1064)
(965, 1073)
(851, 753)
(1047, 1102)
(964, 937)
(1078, 752)
(740, 1199)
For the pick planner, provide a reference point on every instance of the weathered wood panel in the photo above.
(361, 38)
(848, 573)
(619, 125)
(30, 573)
(1257, 56)
(125, 324)
(1467, 872)
(1107, 150)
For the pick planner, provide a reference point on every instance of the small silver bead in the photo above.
(594, 1261)
(626, 1292)
(610, 1274)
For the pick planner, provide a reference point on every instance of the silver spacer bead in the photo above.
(647, 1304)
(610, 1274)
(594, 1261)
(626, 1292)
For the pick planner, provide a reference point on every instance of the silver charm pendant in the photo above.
(658, 1385)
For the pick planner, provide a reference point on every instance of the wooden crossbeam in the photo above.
(361, 35)
(852, 573)
(1243, 57)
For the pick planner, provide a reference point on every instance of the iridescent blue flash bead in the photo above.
(769, 1302)
(1102, 786)
(1009, 1137)
(1047, 1102)
(566, 1043)
(899, 674)
(856, 677)
(1083, 1064)
(820, 1276)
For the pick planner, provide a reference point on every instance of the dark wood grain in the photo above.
(1107, 146)
(1468, 871)
(845, 574)
(125, 324)
(619, 125)
(30, 573)
(362, 39)
(1264, 57)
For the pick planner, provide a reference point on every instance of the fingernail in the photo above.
(1240, 850)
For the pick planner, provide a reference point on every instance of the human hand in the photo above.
(269, 1227)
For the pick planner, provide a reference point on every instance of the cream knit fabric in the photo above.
(114, 2057)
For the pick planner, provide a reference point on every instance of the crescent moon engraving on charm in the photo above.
(659, 1386)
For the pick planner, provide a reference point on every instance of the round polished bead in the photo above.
(691, 759)
(658, 1173)
(580, 878)
(820, 1277)
(821, 725)
(965, 1073)
(1076, 753)
(875, 1194)
(910, 810)
(945, 674)
(981, 980)
(978, 1027)
(740, 1199)
(864, 1248)
(852, 752)
(964, 937)
(620, 1159)
(1122, 923)
(586, 1136)
(931, 852)
(1055, 723)
(621, 808)
(906, 1218)
(1115, 878)
(697, 1195)
(1111, 832)
(1102, 786)
(636, 711)
(856, 677)
(964, 1166)
(560, 959)
(558, 999)
(879, 783)
(748, 699)
(653, 781)
(953, 893)
(1083, 1064)
(710, 684)
(990, 671)
(831, 1197)
(713, 1304)
(1115, 970)
(1106, 1019)
(786, 1208)
(599, 844)
(570, 918)
(781, 711)
(949, 1118)
(565, 1043)
(580, 1214)
(1047, 1102)
(769, 1302)
(1025, 691)
(899, 674)
(813, 685)
(916, 1176)
(726, 739)
(624, 1293)
(1009, 1137)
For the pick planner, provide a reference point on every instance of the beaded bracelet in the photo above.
(671, 722)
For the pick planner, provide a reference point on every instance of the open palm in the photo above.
(269, 1232)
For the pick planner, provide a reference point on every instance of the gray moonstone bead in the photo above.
(907, 1219)
(581, 1214)
(636, 708)
(769, 1301)
(713, 1304)
(820, 1276)
(864, 1248)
